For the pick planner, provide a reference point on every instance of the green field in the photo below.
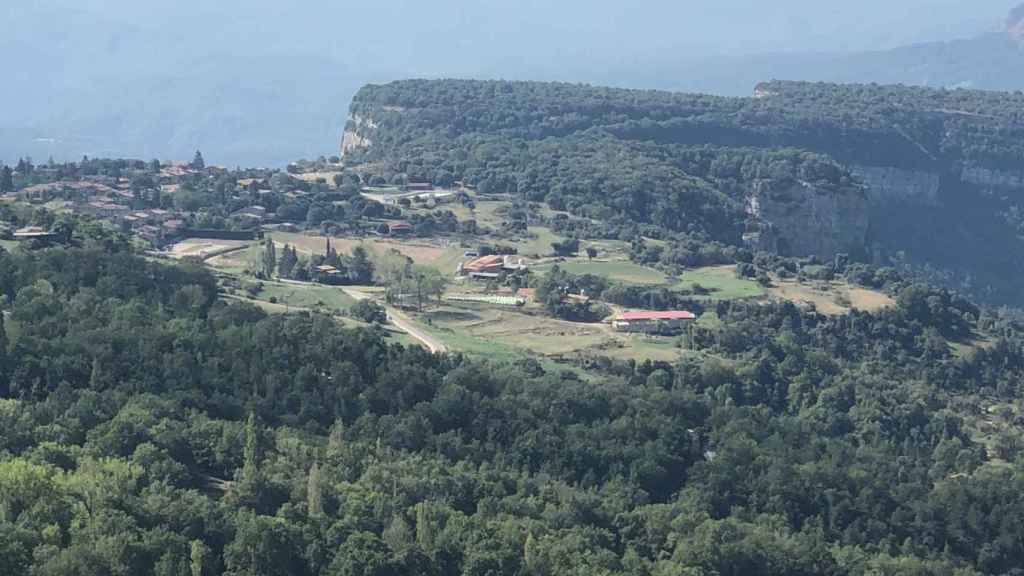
(540, 244)
(617, 270)
(329, 298)
(236, 262)
(722, 281)
(492, 349)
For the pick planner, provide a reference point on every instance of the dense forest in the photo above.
(870, 124)
(150, 428)
(683, 167)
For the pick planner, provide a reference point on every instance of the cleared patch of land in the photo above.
(721, 281)
(538, 244)
(327, 177)
(236, 261)
(710, 283)
(868, 300)
(502, 333)
(330, 299)
(439, 254)
(830, 298)
(204, 248)
(617, 270)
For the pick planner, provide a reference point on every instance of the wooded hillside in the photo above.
(146, 428)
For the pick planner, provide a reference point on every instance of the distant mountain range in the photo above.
(992, 61)
(112, 82)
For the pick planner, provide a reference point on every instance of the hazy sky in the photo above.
(161, 77)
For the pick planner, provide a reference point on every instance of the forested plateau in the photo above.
(926, 179)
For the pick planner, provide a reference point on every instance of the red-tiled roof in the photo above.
(645, 315)
(484, 263)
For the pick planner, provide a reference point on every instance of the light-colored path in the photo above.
(403, 323)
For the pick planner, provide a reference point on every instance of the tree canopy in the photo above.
(147, 427)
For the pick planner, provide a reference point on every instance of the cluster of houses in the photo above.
(154, 226)
(111, 198)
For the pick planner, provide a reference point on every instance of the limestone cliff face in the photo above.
(803, 220)
(895, 185)
(988, 178)
(357, 133)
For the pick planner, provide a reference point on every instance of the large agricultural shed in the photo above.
(652, 322)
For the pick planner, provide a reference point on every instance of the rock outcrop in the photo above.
(991, 179)
(895, 185)
(804, 219)
(355, 136)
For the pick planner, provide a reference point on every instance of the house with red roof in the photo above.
(649, 322)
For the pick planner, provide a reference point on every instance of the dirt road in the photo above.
(403, 323)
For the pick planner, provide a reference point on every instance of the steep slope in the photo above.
(943, 170)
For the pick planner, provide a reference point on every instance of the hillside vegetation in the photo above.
(672, 165)
(147, 427)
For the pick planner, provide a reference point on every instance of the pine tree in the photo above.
(314, 492)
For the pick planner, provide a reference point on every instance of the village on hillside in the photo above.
(446, 267)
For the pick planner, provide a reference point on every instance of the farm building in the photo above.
(484, 264)
(33, 233)
(258, 212)
(652, 322)
(439, 197)
(400, 229)
(494, 264)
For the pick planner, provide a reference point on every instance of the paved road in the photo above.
(403, 323)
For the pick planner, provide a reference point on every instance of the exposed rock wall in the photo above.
(895, 185)
(356, 133)
(806, 220)
(989, 178)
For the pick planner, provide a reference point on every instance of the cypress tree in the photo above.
(6, 179)
(269, 258)
(314, 492)
(198, 556)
